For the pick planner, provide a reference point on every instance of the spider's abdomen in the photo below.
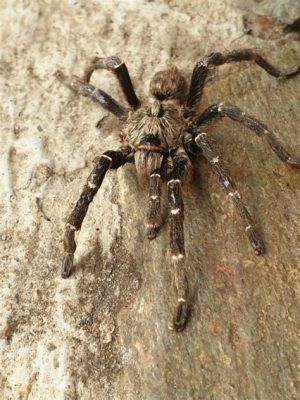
(152, 131)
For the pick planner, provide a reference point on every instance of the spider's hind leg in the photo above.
(211, 156)
(177, 251)
(154, 214)
(109, 159)
(181, 166)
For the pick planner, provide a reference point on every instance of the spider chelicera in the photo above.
(162, 138)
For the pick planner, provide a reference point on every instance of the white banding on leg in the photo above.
(181, 300)
(91, 185)
(174, 180)
(200, 135)
(72, 227)
(177, 257)
(105, 156)
(234, 194)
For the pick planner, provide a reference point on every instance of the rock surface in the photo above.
(103, 333)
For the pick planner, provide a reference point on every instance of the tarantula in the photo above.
(162, 138)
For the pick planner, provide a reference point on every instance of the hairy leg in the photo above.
(201, 70)
(178, 253)
(109, 159)
(119, 68)
(212, 157)
(98, 95)
(181, 165)
(154, 215)
(217, 111)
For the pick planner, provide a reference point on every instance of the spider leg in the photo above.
(217, 111)
(98, 95)
(119, 68)
(211, 156)
(201, 70)
(177, 249)
(109, 159)
(154, 215)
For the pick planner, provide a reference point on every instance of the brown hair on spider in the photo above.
(162, 138)
(169, 85)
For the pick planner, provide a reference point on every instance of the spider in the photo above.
(162, 137)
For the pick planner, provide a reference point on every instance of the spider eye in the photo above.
(161, 96)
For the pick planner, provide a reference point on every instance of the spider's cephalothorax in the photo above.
(162, 137)
(153, 131)
(156, 129)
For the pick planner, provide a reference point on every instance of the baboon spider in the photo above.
(162, 138)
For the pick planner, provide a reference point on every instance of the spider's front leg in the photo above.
(119, 68)
(181, 166)
(201, 70)
(86, 89)
(109, 159)
(212, 157)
